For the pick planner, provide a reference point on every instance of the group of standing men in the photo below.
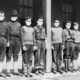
(14, 37)
(31, 40)
(66, 46)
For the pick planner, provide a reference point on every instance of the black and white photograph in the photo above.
(39, 39)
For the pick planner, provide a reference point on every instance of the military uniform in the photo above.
(27, 43)
(3, 39)
(56, 37)
(14, 39)
(40, 42)
(69, 49)
(76, 42)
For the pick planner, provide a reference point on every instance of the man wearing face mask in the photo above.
(68, 44)
(56, 37)
(40, 36)
(3, 39)
(14, 41)
(28, 42)
(76, 37)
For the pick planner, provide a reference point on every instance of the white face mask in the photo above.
(28, 23)
(76, 27)
(68, 25)
(14, 18)
(40, 23)
(2, 18)
(56, 24)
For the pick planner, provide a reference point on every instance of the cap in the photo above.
(28, 19)
(1, 13)
(14, 12)
(76, 23)
(56, 21)
(40, 19)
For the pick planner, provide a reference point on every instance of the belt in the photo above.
(76, 43)
(14, 36)
(40, 39)
(3, 36)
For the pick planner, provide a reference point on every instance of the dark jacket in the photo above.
(39, 33)
(14, 29)
(4, 29)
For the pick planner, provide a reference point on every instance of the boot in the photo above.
(75, 65)
(25, 70)
(1, 69)
(68, 65)
(16, 72)
(8, 69)
(59, 69)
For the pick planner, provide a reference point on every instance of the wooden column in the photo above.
(48, 26)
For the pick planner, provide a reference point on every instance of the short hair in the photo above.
(28, 18)
(1, 12)
(56, 20)
(68, 22)
(76, 23)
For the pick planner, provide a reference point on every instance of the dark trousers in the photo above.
(3, 45)
(57, 54)
(76, 50)
(27, 58)
(14, 49)
(40, 54)
(69, 50)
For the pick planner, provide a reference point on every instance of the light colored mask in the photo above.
(2, 18)
(68, 25)
(76, 27)
(40, 23)
(56, 24)
(28, 23)
(14, 18)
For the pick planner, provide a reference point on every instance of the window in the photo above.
(25, 7)
(67, 11)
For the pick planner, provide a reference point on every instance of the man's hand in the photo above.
(63, 47)
(8, 44)
(24, 48)
(52, 47)
(35, 48)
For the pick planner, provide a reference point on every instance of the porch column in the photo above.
(48, 26)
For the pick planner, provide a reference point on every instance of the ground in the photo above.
(47, 76)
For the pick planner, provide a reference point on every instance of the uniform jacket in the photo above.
(39, 33)
(56, 35)
(67, 36)
(27, 35)
(76, 36)
(14, 29)
(4, 29)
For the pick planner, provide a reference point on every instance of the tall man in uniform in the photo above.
(14, 40)
(68, 44)
(76, 45)
(28, 38)
(3, 38)
(56, 36)
(40, 36)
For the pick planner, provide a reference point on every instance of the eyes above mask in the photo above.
(76, 27)
(68, 26)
